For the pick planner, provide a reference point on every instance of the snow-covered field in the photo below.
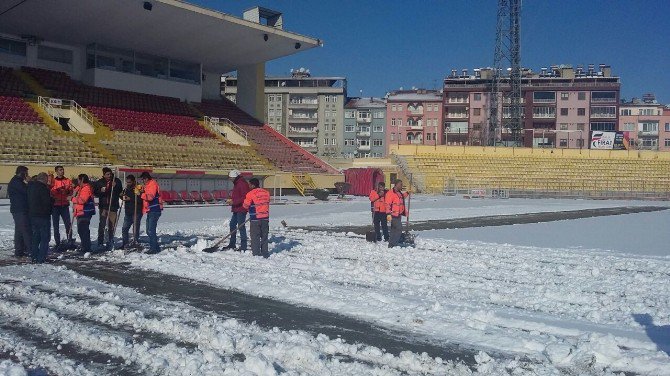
(587, 296)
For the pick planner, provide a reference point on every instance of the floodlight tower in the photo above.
(506, 89)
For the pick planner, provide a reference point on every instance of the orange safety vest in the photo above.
(377, 202)
(60, 189)
(396, 203)
(84, 205)
(151, 201)
(257, 202)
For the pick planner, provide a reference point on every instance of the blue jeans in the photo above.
(152, 223)
(127, 224)
(41, 236)
(84, 231)
(58, 212)
(236, 220)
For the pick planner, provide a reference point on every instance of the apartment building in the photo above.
(561, 105)
(414, 117)
(308, 110)
(646, 123)
(365, 128)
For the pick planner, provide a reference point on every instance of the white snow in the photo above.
(567, 296)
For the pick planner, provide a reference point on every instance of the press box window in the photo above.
(58, 55)
(12, 47)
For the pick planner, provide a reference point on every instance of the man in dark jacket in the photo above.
(40, 203)
(133, 211)
(107, 190)
(239, 217)
(18, 206)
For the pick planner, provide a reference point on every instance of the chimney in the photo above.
(591, 69)
(544, 72)
(580, 70)
(453, 73)
(465, 73)
(606, 69)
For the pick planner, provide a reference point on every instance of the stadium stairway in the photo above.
(284, 153)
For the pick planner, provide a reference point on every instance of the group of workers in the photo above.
(40, 202)
(388, 206)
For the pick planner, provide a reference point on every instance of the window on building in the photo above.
(348, 128)
(58, 55)
(477, 111)
(565, 96)
(564, 112)
(606, 112)
(603, 96)
(563, 126)
(625, 112)
(349, 115)
(603, 126)
(392, 136)
(378, 114)
(581, 96)
(399, 107)
(563, 142)
(428, 135)
(649, 126)
(399, 122)
(393, 122)
(581, 126)
(12, 47)
(378, 128)
(477, 96)
(630, 127)
(647, 111)
(544, 96)
(667, 142)
(348, 142)
(649, 142)
(544, 112)
(581, 112)
(667, 127)
(377, 142)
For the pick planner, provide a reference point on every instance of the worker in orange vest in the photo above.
(257, 202)
(395, 201)
(378, 207)
(84, 209)
(152, 206)
(61, 188)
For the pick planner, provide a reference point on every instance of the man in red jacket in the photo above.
(60, 190)
(257, 202)
(239, 217)
(395, 207)
(378, 206)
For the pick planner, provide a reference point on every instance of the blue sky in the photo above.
(383, 45)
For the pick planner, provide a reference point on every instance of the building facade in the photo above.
(365, 128)
(308, 110)
(646, 123)
(414, 117)
(561, 106)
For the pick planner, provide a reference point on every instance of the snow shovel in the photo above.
(216, 245)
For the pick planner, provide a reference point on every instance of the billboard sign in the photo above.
(609, 140)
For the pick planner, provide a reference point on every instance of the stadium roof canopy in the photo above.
(172, 28)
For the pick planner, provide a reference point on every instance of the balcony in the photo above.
(303, 119)
(458, 100)
(647, 133)
(305, 104)
(365, 119)
(416, 127)
(363, 134)
(544, 100)
(457, 115)
(602, 115)
(415, 111)
(302, 132)
(363, 147)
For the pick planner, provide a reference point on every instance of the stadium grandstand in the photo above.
(86, 94)
(536, 172)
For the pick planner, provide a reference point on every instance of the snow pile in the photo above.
(569, 308)
(8, 368)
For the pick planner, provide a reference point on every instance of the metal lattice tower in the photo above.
(506, 89)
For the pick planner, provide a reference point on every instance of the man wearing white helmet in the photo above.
(239, 217)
